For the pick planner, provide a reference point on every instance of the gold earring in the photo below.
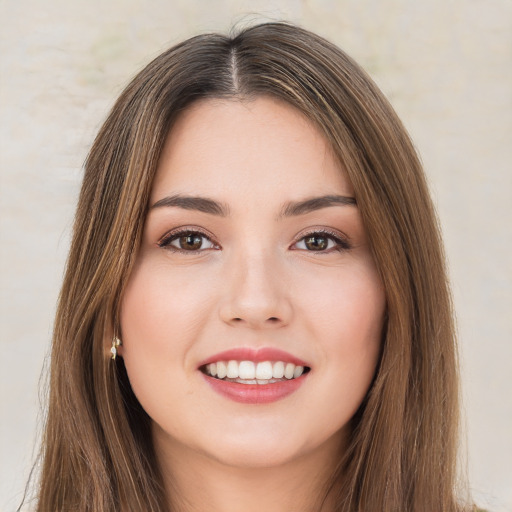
(115, 343)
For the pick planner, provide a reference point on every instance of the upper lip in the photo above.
(254, 354)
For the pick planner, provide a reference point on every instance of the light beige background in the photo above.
(446, 65)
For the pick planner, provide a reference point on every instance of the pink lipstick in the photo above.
(256, 355)
(254, 376)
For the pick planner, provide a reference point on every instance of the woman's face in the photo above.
(253, 252)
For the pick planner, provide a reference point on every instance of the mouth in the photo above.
(254, 373)
(254, 376)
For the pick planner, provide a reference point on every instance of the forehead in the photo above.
(257, 148)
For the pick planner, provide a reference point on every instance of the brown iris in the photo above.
(316, 242)
(190, 242)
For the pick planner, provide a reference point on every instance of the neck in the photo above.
(196, 482)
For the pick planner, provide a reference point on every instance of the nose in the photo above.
(255, 294)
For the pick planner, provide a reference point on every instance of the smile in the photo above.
(252, 373)
(253, 376)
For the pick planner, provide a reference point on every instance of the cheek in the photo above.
(162, 314)
(162, 308)
(346, 318)
(346, 307)
(357, 327)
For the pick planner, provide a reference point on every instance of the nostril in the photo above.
(273, 319)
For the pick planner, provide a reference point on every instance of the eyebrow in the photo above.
(294, 208)
(201, 204)
(290, 209)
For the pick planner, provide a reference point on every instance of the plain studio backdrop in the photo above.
(446, 66)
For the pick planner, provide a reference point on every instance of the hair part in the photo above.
(97, 452)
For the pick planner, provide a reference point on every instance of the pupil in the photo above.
(316, 243)
(190, 242)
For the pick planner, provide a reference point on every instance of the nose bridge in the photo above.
(255, 291)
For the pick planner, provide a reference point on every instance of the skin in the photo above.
(252, 283)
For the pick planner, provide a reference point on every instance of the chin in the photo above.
(267, 447)
(257, 457)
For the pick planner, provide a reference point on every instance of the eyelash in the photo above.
(165, 241)
(341, 243)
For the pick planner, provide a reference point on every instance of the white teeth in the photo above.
(278, 370)
(212, 368)
(253, 381)
(249, 372)
(298, 371)
(232, 372)
(221, 369)
(264, 370)
(288, 371)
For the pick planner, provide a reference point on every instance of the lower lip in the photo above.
(255, 393)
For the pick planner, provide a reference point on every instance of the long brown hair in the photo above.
(97, 451)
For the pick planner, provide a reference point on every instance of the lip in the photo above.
(254, 393)
(256, 355)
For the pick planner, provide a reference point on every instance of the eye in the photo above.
(187, 241)
(321, 242)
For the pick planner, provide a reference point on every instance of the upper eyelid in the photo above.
(337, 235)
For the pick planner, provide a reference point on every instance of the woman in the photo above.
(255, 313)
